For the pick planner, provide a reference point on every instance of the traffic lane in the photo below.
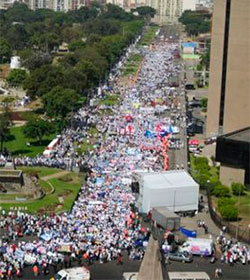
(170, 32)
(113, 271)
(235, 272)
(106, 271)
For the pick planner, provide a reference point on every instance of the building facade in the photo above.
(233, 153)
(56, 5)
(167, 11)
(229, 85)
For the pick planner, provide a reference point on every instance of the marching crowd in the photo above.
(104, 220)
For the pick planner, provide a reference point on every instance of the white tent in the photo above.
(174, 189)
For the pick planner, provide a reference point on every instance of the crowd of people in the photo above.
(232, 252)
(103, 221)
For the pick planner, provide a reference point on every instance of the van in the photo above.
(198, 246)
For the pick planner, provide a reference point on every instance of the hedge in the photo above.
(238, 189)
(229, 212)
(221, 191)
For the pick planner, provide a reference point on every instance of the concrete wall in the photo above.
(228, 175)
(218, 26)
(237, 101)
(237, 92)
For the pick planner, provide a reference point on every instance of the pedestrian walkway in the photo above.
(56, 175)
(192, 223)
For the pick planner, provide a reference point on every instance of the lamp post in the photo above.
(208, 186)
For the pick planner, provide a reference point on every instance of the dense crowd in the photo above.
(104, 220)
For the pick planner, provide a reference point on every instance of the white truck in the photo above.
(198, 246)
(77, 273)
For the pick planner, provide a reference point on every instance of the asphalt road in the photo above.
(112, 271)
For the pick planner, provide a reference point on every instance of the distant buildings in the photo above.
(56, 5)
(167, 11)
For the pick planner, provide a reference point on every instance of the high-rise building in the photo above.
(167, 11)
(229, 85)
(229, 89)
(189, 5)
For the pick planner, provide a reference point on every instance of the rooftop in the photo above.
(242, 135)
(165, 212)
(167, 179)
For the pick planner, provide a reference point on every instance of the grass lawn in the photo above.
(40, 171)
(65, 187)
(149, 35)
(16, 143)
(244, 205)
(110, 100)
(132, 65)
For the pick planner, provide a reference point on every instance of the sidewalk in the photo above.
(192, 223)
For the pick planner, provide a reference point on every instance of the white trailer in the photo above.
(198, 246)
(174, 189)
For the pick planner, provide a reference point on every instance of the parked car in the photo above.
(194, 103)
(180, 257)
(189, 87)
(210, 140)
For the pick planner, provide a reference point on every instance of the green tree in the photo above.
(146, 11)
(221, 191)
(37, 129)
(238, 188)
(5, 51)
(17, 36)
(33, 60)
(59, 102)
(229, 212)
(5, 122)
(90, 70)
(43, 79)
(16, 77)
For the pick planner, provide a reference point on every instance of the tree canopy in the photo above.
(96, 37)
(145, 11)
(196, 22)
(37, 128)
(59, 102)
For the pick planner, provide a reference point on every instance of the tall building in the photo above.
(167, 11)
(229, 89)
(229, 85)
(189, 5)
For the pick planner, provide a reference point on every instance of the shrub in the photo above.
(204, 102)
(214, 181)
(220, 191)
(229, 212)
(202, 179)
(238, 188)
(201, 161)
(66, 178)
(225, 201)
